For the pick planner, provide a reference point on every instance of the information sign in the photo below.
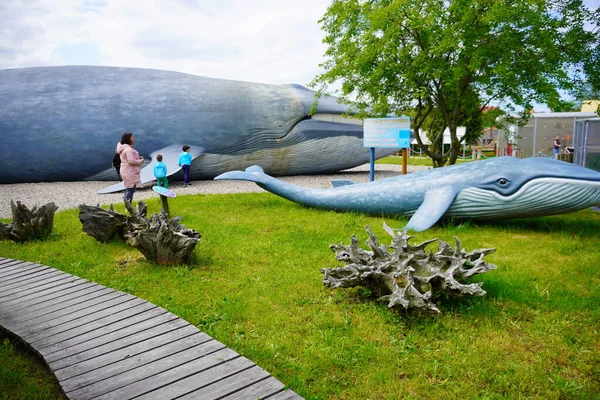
(387, 132)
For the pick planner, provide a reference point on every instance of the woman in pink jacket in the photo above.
(131, 164)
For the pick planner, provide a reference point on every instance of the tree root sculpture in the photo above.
(164, 241)
(160, 239)
(28, 224)
(408, 277)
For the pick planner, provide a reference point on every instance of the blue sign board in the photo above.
(387, 132)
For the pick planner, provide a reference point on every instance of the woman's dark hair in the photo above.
(126, 138)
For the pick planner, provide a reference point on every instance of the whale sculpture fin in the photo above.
(170, 157)
(252, 174)
(255, 169)
(342, 182)
(435, 204)
(111, 189)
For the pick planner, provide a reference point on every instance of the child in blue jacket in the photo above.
(185, 161)
(160, 172)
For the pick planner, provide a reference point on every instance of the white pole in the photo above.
(534, 134)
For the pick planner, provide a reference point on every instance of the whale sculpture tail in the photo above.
(253, 174)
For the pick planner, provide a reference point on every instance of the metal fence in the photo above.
(587, 144)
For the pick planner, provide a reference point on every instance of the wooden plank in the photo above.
(18, 266)
(69, 300)
(195, 374)
(117, 336)
(33, 286)
(285, 395)
(23, 282)
(229, 385)
(97, 328)
(147, 370)
(77, 326)
(132, 340)
(5, 260)
(20, 269)
(80, 317)
(120, 373)
(9, 263)
(48, 295)
(121, 355)
(72, 295)
(25, 321)
(11, 305)
(36, 287)
(21, 276)
(259, 390)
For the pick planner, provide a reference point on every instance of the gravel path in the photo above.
(70, 194)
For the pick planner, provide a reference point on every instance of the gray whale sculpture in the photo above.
(63, 124)
(504, 187)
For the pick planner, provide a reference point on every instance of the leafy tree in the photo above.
(443, 61)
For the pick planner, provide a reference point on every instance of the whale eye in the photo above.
(502, 181)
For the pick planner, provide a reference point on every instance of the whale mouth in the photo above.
(322, 125)
(315, 127)
(542, 196)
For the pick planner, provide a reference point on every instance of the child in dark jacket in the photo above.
(185, 161)
(116, 163)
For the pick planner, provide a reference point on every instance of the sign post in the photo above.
(387, 133)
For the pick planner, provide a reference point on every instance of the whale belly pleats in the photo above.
(545, 196)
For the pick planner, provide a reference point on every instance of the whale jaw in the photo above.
(538, 197)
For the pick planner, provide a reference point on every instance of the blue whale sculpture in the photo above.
(505, 187)
(63, 124)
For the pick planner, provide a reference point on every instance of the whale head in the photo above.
(510, 187)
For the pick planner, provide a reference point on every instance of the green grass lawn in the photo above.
(23, 375)
(413, 160)
(256, 286)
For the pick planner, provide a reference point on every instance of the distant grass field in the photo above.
(256, 286)
(414, 160)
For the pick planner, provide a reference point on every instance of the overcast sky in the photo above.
(271, 41)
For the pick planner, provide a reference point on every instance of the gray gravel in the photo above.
(68, 195)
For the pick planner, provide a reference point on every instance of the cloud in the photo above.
(271, 41)
(266, 41)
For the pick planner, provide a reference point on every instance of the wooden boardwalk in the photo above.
(105, 344)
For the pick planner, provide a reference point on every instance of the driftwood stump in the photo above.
(108, 225)
(160, 240)
(408, 277)
(164, 241)
(28, 224)
(103, 225)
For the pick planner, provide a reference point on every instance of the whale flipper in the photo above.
(436, 203)
(170, 158)
(342, 182)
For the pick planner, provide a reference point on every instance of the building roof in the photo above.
(565, 115)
